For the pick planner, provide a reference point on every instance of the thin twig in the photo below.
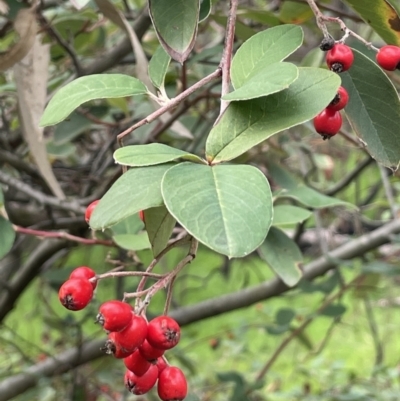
(62, 235)
(171, 104)
(388, 191)
(227, 54)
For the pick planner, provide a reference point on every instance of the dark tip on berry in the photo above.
(109, 347)
(335, 100)
(327, 43)
(337, 67)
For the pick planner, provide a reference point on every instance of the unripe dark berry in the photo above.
(327, 43)
(141, 384)
(163, 332)
(339, 58)
(172, 384)
(114, 315)
(328, 123)
(89, 210)
(84, 272)
(388, 57)
(75, 293)
(340, 101)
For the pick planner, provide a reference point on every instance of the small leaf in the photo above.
(226, 207)
(137, 189)
(83, 89)
(78, 4)
(311, 198)
(264, 48)
(283, 255)
(334, 310)
(7, 236)
(175, 22)
(284, 316)
(246, 124)
(288, 214)
(132, 242)
(159, 225)
(130, 225)
(277, 330)
(271, 79)
(205, 9)
(158, 67)
(382, 17)
(151, 154)
(373, 109)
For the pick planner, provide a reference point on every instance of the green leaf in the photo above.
(264, 48)
(284, 316)
(311, 198)
(382, 17)
(151, 154)
(246, 124)
(283, 255)
(205, 9)
(83, 89)
(373, 109)
(1, 197)
(288, 214)
(159, 225)
(158, 67)
(226, 207)
(137, 189)
(7, 236)
(130, 225)
(334, 310)
(270, 79)
(132, 242)
(175, 22)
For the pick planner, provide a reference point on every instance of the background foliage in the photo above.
(307, 312)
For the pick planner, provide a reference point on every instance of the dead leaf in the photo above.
(3, 7)
(25, 26)
(30, 76)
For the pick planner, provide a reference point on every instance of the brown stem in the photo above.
(171, 104)
(62, 235)
(227, 54)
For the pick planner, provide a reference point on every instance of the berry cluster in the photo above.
(139, 343)
(339, 58)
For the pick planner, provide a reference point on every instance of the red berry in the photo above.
(388, 57)
(163, 332)
(84, 272)
(137, 364)
(328, 123)
(161, 364)
(114, 315)
(339, 58)
(172, 384)
(89, 210)
(112, 346)
(340, 101)
(141, 215)
(141, 384)
(75, 293)
(149, 352)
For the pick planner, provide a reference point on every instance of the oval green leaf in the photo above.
(137, 189)
(246, 124)
(158, 67)
(159, 225)
(288, 214)
(226, 207)
(373, 109)
(264, 48)
(132, 242)
(151, 154)
(175, 22)
(283, 256)
(270, 79)
(382, 17)
(83, 89)
(7, 236)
